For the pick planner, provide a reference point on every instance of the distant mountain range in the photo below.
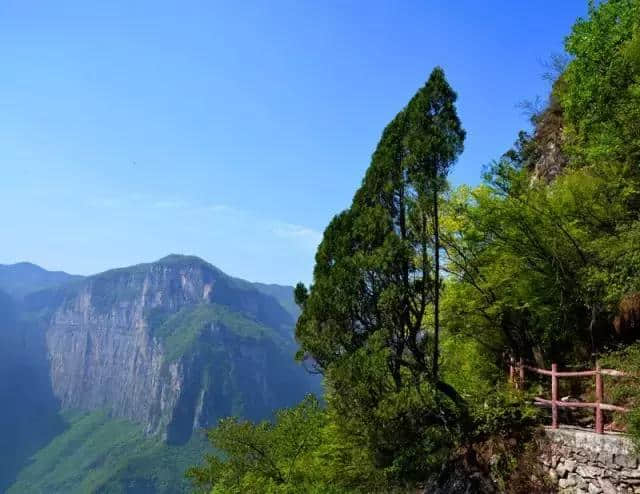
(23, 278)
(166, 348)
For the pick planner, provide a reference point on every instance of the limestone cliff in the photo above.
(173, 345)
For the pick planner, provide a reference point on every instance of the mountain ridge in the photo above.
(23, 278)
(283, 294)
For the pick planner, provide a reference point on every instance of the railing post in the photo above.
(554, 396)
(599, 394)
(521, 373)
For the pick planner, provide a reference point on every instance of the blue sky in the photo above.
(236, 130)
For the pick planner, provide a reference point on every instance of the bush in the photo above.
(625, 391)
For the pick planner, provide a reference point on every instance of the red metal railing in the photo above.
(554, 403)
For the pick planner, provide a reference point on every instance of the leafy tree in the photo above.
(434, 140)
(376, 292)
(377, 268)
(600, 90)
(517, 257)
(266, 457)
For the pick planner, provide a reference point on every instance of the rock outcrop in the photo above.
(549, 159)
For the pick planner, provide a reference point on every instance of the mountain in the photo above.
(23, 278)
(283, 294)
(167, 347)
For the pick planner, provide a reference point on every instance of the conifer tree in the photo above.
(434, 141)
(377, 268)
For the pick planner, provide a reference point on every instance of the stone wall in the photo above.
(580, 461)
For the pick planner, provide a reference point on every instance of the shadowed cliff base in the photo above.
(29, 411)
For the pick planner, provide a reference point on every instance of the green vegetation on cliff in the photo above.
(180, 331)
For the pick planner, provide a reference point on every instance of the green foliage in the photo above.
(625, 391)
(633, 424)
(408, 431)
(375, 266)
(503, 413)
(495, 408)
(300, 294)
(279, 457)
(370, 320)
(514, 264)
(102, 455)
(468, 366)
(433, 136)
(538, 269)
(542, 268)
(600, 93)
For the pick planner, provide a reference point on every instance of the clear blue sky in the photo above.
(236, 130)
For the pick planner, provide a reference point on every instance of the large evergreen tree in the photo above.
(371, 315)
(434, 140)
(377, 269)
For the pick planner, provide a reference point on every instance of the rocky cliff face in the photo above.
(549, 159)
(173, 345)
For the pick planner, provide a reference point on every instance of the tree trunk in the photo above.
(592, 325)
(436, 298)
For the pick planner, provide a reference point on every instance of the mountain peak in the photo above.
(181, 258)
(187, 260)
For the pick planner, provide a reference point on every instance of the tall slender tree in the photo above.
(434, 141)
(366, 319)
(377, 268)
